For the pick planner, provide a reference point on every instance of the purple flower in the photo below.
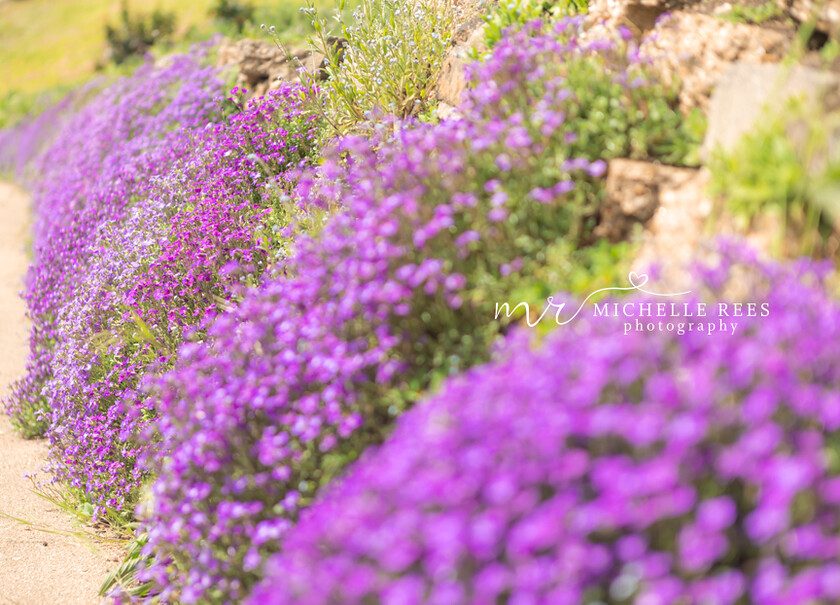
(222, 321)
(625, 33)
(513, 480)
(597, 168)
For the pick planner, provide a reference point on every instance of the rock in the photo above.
(633, 195)
(670, 203)
(674, 236)
(464, 11)
(451, 82)
(466, 32)
(745, 91)
(640, 16)
(826, 14)
(445, 111)
(693, 50)
(262, 65)
(675, 212)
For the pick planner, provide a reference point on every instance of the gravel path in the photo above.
(36, 568)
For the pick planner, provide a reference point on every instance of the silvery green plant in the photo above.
(387, 59)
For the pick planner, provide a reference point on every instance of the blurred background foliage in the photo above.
(49, 46)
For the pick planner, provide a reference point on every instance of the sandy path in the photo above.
(36, 568)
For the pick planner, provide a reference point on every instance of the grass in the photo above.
(49, 44)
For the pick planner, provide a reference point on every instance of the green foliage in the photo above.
(764, 171)
(14, 106)
(753, 13)
(830, 52)
(30, 422)
(789, 167)
(234, 12)
(518, 12)
(137, 33)
(636, 121)
(125, 576)
(77, 37)
(386, 57)
(290, 23)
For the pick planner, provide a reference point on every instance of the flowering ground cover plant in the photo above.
(429, 225)
(21, 142)
(198, 327)
(181, 255)
(602, 468)
(99, 162)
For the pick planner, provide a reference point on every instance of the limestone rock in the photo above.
(674, 235)
(681, 223)
(639, 16)
(262, 65)
(694, 49)
(445, 111)
(634, 191)
(465, 10)
(826, 13)
(744, 91)
(469, 32)
(451, 82)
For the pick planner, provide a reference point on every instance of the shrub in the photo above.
(388, 59)
(429, 225)
(602, 468)
(764, 172)
(101, 161)
(786, 167)
(135, 34)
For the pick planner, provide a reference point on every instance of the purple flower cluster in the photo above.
(158, 274)
(602, 468)
(176, 339)
(429, 224)
(21, 144)
(100, 161)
